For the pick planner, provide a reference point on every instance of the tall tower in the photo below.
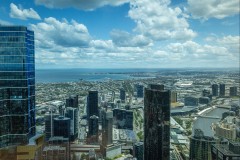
(122, 94)
(72, 113)
(17, 85)
(139, 89)
(215, 90)
(157, 124)
(92, 104)
(107, 123)
(222, 90)
(72, 101)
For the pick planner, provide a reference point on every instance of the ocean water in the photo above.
(74, 75)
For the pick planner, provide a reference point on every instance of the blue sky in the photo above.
(128, 33)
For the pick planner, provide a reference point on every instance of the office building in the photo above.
(156, 86)
(227, 127)
(107, 124)
(204, 100)
(157, 124)
(123, 119)
(229, 151)
(48, 118)
(138, 150)
(206, 93)
(122, 95)
(57, 148)
(72, 101)
(173, 96)
(233, 91)
(191, 101)
(139, 89)
(200, 147)
(17, 85)
(222, 90)
(72, 113)
(92, 104)
(215, 90)
(61, 127)
(93, 129)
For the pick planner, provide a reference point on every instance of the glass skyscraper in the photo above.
(157, 124)
(17, 85)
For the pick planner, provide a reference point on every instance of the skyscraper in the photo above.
(17, 85)
(222, 89)
(72, 113)
(156, 124)
(233, 91)
(139, 89)
(92, 104)
(215, 90)
(156, 86)
(107, 123)
(93, 129)
(61, 127)
(48, 118)
(122, 94)
(72, 101)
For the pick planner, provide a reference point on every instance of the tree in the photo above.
(179, 120)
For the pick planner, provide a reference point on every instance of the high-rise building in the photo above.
(139, 89)
(156, 124)
(200, 146)
(156, 86)
(92, 104)
(72, 113)
(233, 91)
(215, 90)
(138, 150)
(72, 101)
(222, 90)
(93, 129)
(173, 96)
(190, 101)
(107, 123)
(123, 119)
(48, 118)
(122, 94)
(61, 127)
(229, 151)
(17, 85)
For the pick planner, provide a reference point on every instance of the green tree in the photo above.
(179, 120)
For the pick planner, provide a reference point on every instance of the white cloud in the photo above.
(23, 14)
(125, 39)
(219, 9)
(2, 22)
(80, 4)
(158, 21)
(54, 32)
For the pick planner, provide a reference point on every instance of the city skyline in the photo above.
(129, 34)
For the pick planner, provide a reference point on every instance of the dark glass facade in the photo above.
(92, 104)
(72, 101)
(215, 90)
(61, 127)
(122, 94)
(17, 85)
(139, 89)
(156, 124)
(72, 113)
(123, 119)
(222, 90)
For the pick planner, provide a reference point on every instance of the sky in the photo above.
(129, 33)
